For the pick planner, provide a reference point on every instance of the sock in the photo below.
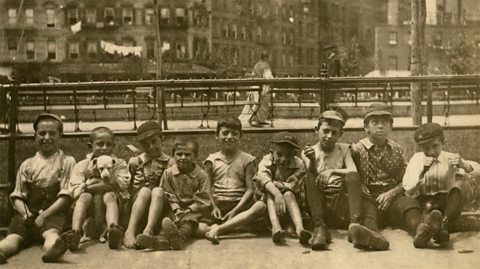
(454, 205)
(354, 187)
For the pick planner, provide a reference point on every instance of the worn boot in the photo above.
(321, 236)
(364, 237)
(115, 236)
(427, 229)
(54, 253)
(443, 235)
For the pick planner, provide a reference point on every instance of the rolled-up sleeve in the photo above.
(295, 181)
(67, 169)
(264, 173)
(20, 191)
(77, 176)
(411, 178)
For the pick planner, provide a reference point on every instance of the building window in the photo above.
(180, 49)
(180, 16)
(284, 60)
(392, 38)
(149, 13)
(243, 33)
(284, 38)
(109, 15)
(150, 49)
(225, 30)
(290, 39)
(72, 16)
(165, 16)
(12, 46)
(12, 16)
(235, 56)
(29, 16)
(91, 16)
(92, 49)
(392, 63)
(30, 51)
(438, 39)
(259, 33)
(300, 56)
(290, 60)
(73, 50)
(234, 31)
(127, 14)
(51, 50)
(50, 17)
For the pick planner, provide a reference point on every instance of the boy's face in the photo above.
(433, 148)
(184, 157)
(47, 137)
(328, 135)
(229, 138)
(153, 145)
(102, 144)
(283, 154)
(378, 128)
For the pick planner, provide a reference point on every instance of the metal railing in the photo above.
(160, 96)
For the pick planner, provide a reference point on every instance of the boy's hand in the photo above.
(326, 175)
(230, 215)
(280, 186)
(280, 205)
(428, 161)
(216, 213)
(40, 220)
(182, 212)
(309, 152)
(385, 199)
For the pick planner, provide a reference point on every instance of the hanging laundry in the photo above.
(165, 46)
(76, 27)
(122, 50)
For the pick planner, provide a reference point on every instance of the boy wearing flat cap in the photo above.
(381, 165)
(148, 198)
(41, 195)
(280, 176)
(330, 172)
(441, 181)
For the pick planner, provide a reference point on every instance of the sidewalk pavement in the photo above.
(249, 251)
(292, 124)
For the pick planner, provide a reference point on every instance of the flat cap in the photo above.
(48, 116)
(428, 132)
(285, 137)
(332, 115)
(378, 109)
(148, 129)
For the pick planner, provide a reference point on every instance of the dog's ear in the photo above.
(113, 161)
(94, 161)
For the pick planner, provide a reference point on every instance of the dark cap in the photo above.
(332, 115)
(48, 116)
(428, 132)
(148, 129)
(378, 109)
(329, 46)
(285, 137)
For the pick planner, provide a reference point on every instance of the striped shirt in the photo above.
(438, 179)
(229, 176)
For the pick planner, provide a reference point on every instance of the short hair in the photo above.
(367, 120)
(101, 129)
(264, 56)
(229, 122)
(185, 141)
(49, 119)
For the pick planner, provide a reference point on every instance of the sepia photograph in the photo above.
(191, 134)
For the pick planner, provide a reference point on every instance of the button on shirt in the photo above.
(43, 172)
(229, 176)
(147, 171)
(380, 167)
(184, 190)
(439, 177)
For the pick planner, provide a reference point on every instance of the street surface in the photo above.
(247, 251)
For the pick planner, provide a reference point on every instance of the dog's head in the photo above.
(104, 164)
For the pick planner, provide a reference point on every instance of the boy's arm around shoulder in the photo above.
(411, 178)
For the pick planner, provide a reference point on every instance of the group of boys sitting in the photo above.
(168, 200)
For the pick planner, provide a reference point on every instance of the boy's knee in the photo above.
(157, 193)
(144, 193)
(288, 195)
(109, 198)
(259, 208)
(85, 198)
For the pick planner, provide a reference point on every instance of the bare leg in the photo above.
(54, 245)
(80, 211)
(111, 205)
(294, 211)
(155, 210)
(10, 245)
(272, 214)
(138, 210)
(243, 218)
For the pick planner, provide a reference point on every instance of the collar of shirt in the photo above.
(324, 154)
(39, 155)
(194, 173)
(220, 156)
(368, 144)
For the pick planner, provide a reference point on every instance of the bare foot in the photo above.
(129, 240)
(212, 235)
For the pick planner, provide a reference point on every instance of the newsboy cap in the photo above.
(48, 116)
(378, 109)
(285, 137)
(428, 132)
(148, 129)
(332, 115)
